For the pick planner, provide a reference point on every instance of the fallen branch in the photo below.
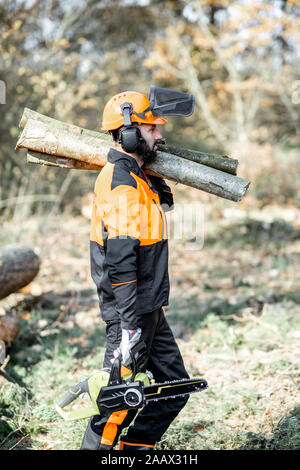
(9, 435)
(17, 443)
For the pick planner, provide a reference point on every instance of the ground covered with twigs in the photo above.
(234, 310)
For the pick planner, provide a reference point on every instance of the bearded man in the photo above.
(129, 265)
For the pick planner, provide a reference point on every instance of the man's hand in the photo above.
(129, 339)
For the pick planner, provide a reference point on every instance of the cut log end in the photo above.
(18, 267)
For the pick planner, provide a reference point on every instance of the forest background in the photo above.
(234, 305)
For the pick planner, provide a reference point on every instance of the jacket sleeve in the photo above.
(121, 217)
(164, 192)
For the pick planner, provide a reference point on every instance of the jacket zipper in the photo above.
(162, 220)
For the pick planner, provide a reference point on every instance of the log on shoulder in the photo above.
(39, 137)
(60, 162)
(66, 163)
(219, 162)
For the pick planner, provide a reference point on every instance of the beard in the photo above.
(148, 155)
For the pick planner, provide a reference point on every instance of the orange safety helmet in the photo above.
(112, 115)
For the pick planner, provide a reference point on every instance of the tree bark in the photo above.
(8, 331)
(18, 267)
(42, 138)
(61, 162)
(219, 162)
(56, 124)
(39, 137)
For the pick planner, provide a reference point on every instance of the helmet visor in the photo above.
(167, 102)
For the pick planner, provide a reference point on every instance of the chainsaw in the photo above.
(113, 391)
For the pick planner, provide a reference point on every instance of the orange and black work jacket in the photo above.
(129, 245)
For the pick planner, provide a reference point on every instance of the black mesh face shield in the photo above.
(163, 102)
(166, 102)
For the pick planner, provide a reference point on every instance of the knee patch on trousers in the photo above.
(110, 428)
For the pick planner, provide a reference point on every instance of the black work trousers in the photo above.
(165, 363)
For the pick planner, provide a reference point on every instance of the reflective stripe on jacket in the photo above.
(129, 246)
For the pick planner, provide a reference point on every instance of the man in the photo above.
(129, 264)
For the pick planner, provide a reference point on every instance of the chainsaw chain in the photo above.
(175, 396)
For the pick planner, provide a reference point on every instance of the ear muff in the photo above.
(130, 137)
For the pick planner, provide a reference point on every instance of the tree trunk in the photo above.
(40, 137)
(18, 267)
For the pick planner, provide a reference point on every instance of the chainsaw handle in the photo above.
(73, 393)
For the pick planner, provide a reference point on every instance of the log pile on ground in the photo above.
(56, 143)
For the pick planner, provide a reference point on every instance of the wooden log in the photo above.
(18, 267)
(61, 162)
(55, 123)
(199, 176)
(9, 328)
(40, 137)
(66, 163)
(41, 158)
(219, 162)
(71, 164)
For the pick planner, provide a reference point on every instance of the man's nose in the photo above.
(158, 134)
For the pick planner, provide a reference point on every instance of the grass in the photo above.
(235, 315)
(42, 367)
(252, 404)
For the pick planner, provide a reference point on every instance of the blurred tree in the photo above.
(238, 58)
(64, 59)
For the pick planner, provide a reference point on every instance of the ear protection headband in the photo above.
(130, 135)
